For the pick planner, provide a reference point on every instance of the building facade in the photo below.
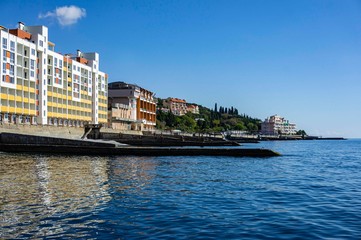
(275, 125)
(41, 86)
(193, 109)
(146, 110)
(131, 107)
(177, 106)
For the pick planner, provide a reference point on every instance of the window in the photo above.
(5, 43)
(4, 68)
(74, 68)
(12, 46)
(55, 62)
(60, 63)
(4, 55)
(32, 74)
(78, 69)
(25, 52)
(12, 57)
(12, 80)
(11, 69)
(41, 43)
(33, 52)
(4, 78)
(32, 64)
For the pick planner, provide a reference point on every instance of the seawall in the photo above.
(19, 143)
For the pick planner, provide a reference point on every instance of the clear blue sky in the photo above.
(298, 59)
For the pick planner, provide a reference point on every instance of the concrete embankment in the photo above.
(40, 130)
(157, 140)
(39, 144)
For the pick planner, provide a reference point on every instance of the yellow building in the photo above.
(41, 86)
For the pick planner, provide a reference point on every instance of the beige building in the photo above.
(177, 106)
(131, 107)
(275, 125)
(193, 109)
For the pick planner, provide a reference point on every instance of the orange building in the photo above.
(131, 107)
(146, 109)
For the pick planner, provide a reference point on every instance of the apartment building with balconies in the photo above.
(193, 108)
(40, 86)
(131, 107)
(177, 106)
(275, 125)
(146, 109)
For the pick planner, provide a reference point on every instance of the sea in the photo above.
(312, 191)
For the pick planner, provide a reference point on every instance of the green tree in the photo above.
(301, 132)
(240, 126)
(251, 127)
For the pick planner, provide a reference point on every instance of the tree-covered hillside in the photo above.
(208, 120)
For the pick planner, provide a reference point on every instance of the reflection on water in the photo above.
(36, 190)
(311, 192)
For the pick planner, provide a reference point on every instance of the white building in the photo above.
(275, 125)
(41, 86)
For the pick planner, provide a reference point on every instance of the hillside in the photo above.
(208, 120)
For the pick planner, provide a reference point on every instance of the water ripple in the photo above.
(311, 192)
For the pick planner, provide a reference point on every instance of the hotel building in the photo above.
(275, 125)
(41, 86)
(131, 107)
(193, 109)
(177, 106)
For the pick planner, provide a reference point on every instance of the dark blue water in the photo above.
(311, 192)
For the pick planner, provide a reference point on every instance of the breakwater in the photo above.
(10, 142)
(159, 140)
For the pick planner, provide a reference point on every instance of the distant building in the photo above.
(275, 125)
(177, 106)
(130, 107)
(193, 109)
